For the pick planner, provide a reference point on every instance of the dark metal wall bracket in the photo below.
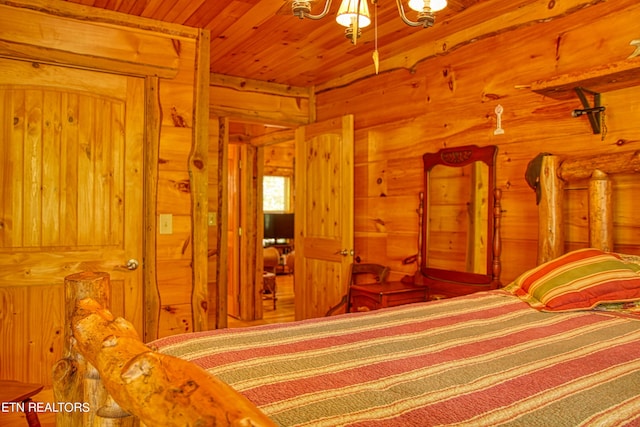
(594, 113)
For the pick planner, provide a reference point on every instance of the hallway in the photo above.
(284, 311)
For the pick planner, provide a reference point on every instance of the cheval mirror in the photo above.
(460, 248)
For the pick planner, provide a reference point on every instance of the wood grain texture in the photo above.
(62, 206)
(324, 214)
(158, 389)
(199, 181)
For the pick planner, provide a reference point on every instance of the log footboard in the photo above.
(107, 366)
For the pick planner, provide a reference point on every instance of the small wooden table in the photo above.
(373, 296)
(18, 392)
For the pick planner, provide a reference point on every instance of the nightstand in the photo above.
(373, 296)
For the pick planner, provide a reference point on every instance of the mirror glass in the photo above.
(457, 218)
(458, 223)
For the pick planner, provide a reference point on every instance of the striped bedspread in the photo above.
(481, 360)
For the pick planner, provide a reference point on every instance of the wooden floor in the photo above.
(284, 311)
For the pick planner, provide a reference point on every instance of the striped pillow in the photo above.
(579, 280)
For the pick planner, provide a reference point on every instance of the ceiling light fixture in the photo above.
(354, 14)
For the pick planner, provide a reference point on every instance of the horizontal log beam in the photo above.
(613, 163)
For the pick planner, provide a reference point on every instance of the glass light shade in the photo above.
(347, 11)
(436, 5)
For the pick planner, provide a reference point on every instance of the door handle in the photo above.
(345, 252)
(132, 264)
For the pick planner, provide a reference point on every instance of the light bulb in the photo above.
(436, 5)
(347, 12)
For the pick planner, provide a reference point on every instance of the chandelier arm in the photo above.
(404, 16)
(322, 14)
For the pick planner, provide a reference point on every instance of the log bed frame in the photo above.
(555, 174)
(106, 365)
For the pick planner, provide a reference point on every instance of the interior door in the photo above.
(71, 183)
(324, 214)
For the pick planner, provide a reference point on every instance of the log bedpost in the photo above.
(550, 225)
(600, 212)
(74, 380)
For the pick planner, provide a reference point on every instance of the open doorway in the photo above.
(256, 152)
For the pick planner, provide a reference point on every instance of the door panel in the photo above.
(70, 199)
(324, 214)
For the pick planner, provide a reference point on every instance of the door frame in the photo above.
(248, 244)
(251, 245)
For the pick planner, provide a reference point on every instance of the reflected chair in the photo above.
(270, 259)
(361, 274)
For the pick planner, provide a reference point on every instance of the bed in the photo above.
(558, 346)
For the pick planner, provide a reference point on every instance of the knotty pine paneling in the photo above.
(278, 159)
(175, 250)
(449, 101)
(174, 152)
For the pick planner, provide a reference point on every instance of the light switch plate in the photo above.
(212, 219)
(166, 224)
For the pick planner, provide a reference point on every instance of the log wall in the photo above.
(444, 94)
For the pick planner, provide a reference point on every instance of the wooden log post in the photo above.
(600, 211)
(550, 225)
(74, 380)
(160, 390)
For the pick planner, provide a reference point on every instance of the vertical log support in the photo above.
(76, 381)
(600, 211)
(550, 225)
(151, 162)
(199, 180)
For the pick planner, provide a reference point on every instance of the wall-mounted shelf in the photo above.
(603, 78)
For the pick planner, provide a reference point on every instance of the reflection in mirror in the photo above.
(460, 225)
(458, 213)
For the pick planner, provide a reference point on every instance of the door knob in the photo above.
(346, 252)
(132, 264)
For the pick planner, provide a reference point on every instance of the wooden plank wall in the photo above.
(448, 98)
(169, 59)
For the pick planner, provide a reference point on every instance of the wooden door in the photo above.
(71, 181)
(324, 214)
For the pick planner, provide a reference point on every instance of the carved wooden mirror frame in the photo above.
(452, 282)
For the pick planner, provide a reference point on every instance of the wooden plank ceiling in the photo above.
(261, 39)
